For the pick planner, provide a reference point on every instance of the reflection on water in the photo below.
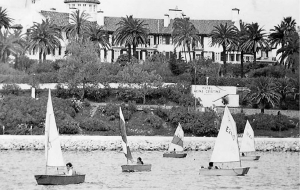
(103, 171)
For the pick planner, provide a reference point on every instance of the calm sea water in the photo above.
(103, 171)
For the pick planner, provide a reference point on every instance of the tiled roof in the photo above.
(60, 19)
(82, 1)
(156, 26)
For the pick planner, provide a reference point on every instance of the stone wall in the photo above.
(151, 143)
(249, 111)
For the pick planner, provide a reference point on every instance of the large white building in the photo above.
(159, 39)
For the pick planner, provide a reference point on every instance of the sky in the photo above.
(267, 13)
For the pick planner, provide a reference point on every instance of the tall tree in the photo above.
(131, 32)
(289, 54)
(81, 67)
(44, 37)
(11, 44)
(256, 39)
(5, 20)
(134, 74)
(78, 25)
(99, 36)
(185, 34)
(263, 91)
(276, 36)
(225, 36)
(238, 45)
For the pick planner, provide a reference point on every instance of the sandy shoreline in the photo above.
(150, 143)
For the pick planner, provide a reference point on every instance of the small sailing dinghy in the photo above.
(226, 149)
(129, 167)
(248, 144)
(176, 146)
(54, 157)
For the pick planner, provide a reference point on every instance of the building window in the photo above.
(79, 5)
(59, 50)
(238, 56)
(167, 39)
(94, 8)
(164, 40)
(231, 57)
(84, 5)
(90, 6)
(73, 5)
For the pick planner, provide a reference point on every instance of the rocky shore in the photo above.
(149, 143)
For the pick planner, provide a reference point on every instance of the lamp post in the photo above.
(33, 86)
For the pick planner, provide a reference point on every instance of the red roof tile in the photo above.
(82, 1)
(60, 19)
(156, 26)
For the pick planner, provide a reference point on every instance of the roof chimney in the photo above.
(235, 18)
(166, 20)
(100, 18)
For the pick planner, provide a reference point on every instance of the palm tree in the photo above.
(185, 34)
(79, 24)
(290, 52)
(44, 37)
(263, 91)
(99, 36)
(281, 32)
(289, 25)
(11, 44)
(238, 45)
(224, 35)
(277, 36)
(131, 32)
(284, 88)
(5, 21)
(256, 39)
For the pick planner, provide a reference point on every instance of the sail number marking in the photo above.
(228, 130)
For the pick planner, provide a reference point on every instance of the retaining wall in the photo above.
(149, 143)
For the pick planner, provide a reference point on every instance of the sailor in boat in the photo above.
(70, 170)
(211, 166)
(174, 151)
(139, 161)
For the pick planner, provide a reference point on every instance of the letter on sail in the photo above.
(248, 139)
(52, 146)
(226, 147)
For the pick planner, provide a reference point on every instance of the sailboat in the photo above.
(54, 157)
(176, 146)
(129, 167)
(226, 149)
(248, 144)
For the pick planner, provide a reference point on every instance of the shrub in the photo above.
(11, 89)
(97, 94)
(68, 126)
(155, 121)
(123, 59)
(92, 124)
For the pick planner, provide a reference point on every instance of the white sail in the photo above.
(177, 142)
(226, 146)
(52, 146)
(248, 139)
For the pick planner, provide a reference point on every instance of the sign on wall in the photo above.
(212, 95)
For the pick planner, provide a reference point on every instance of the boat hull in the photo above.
(245, 158)
(173, 155)
(59, 179)
(224, 172)
(136, 168)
